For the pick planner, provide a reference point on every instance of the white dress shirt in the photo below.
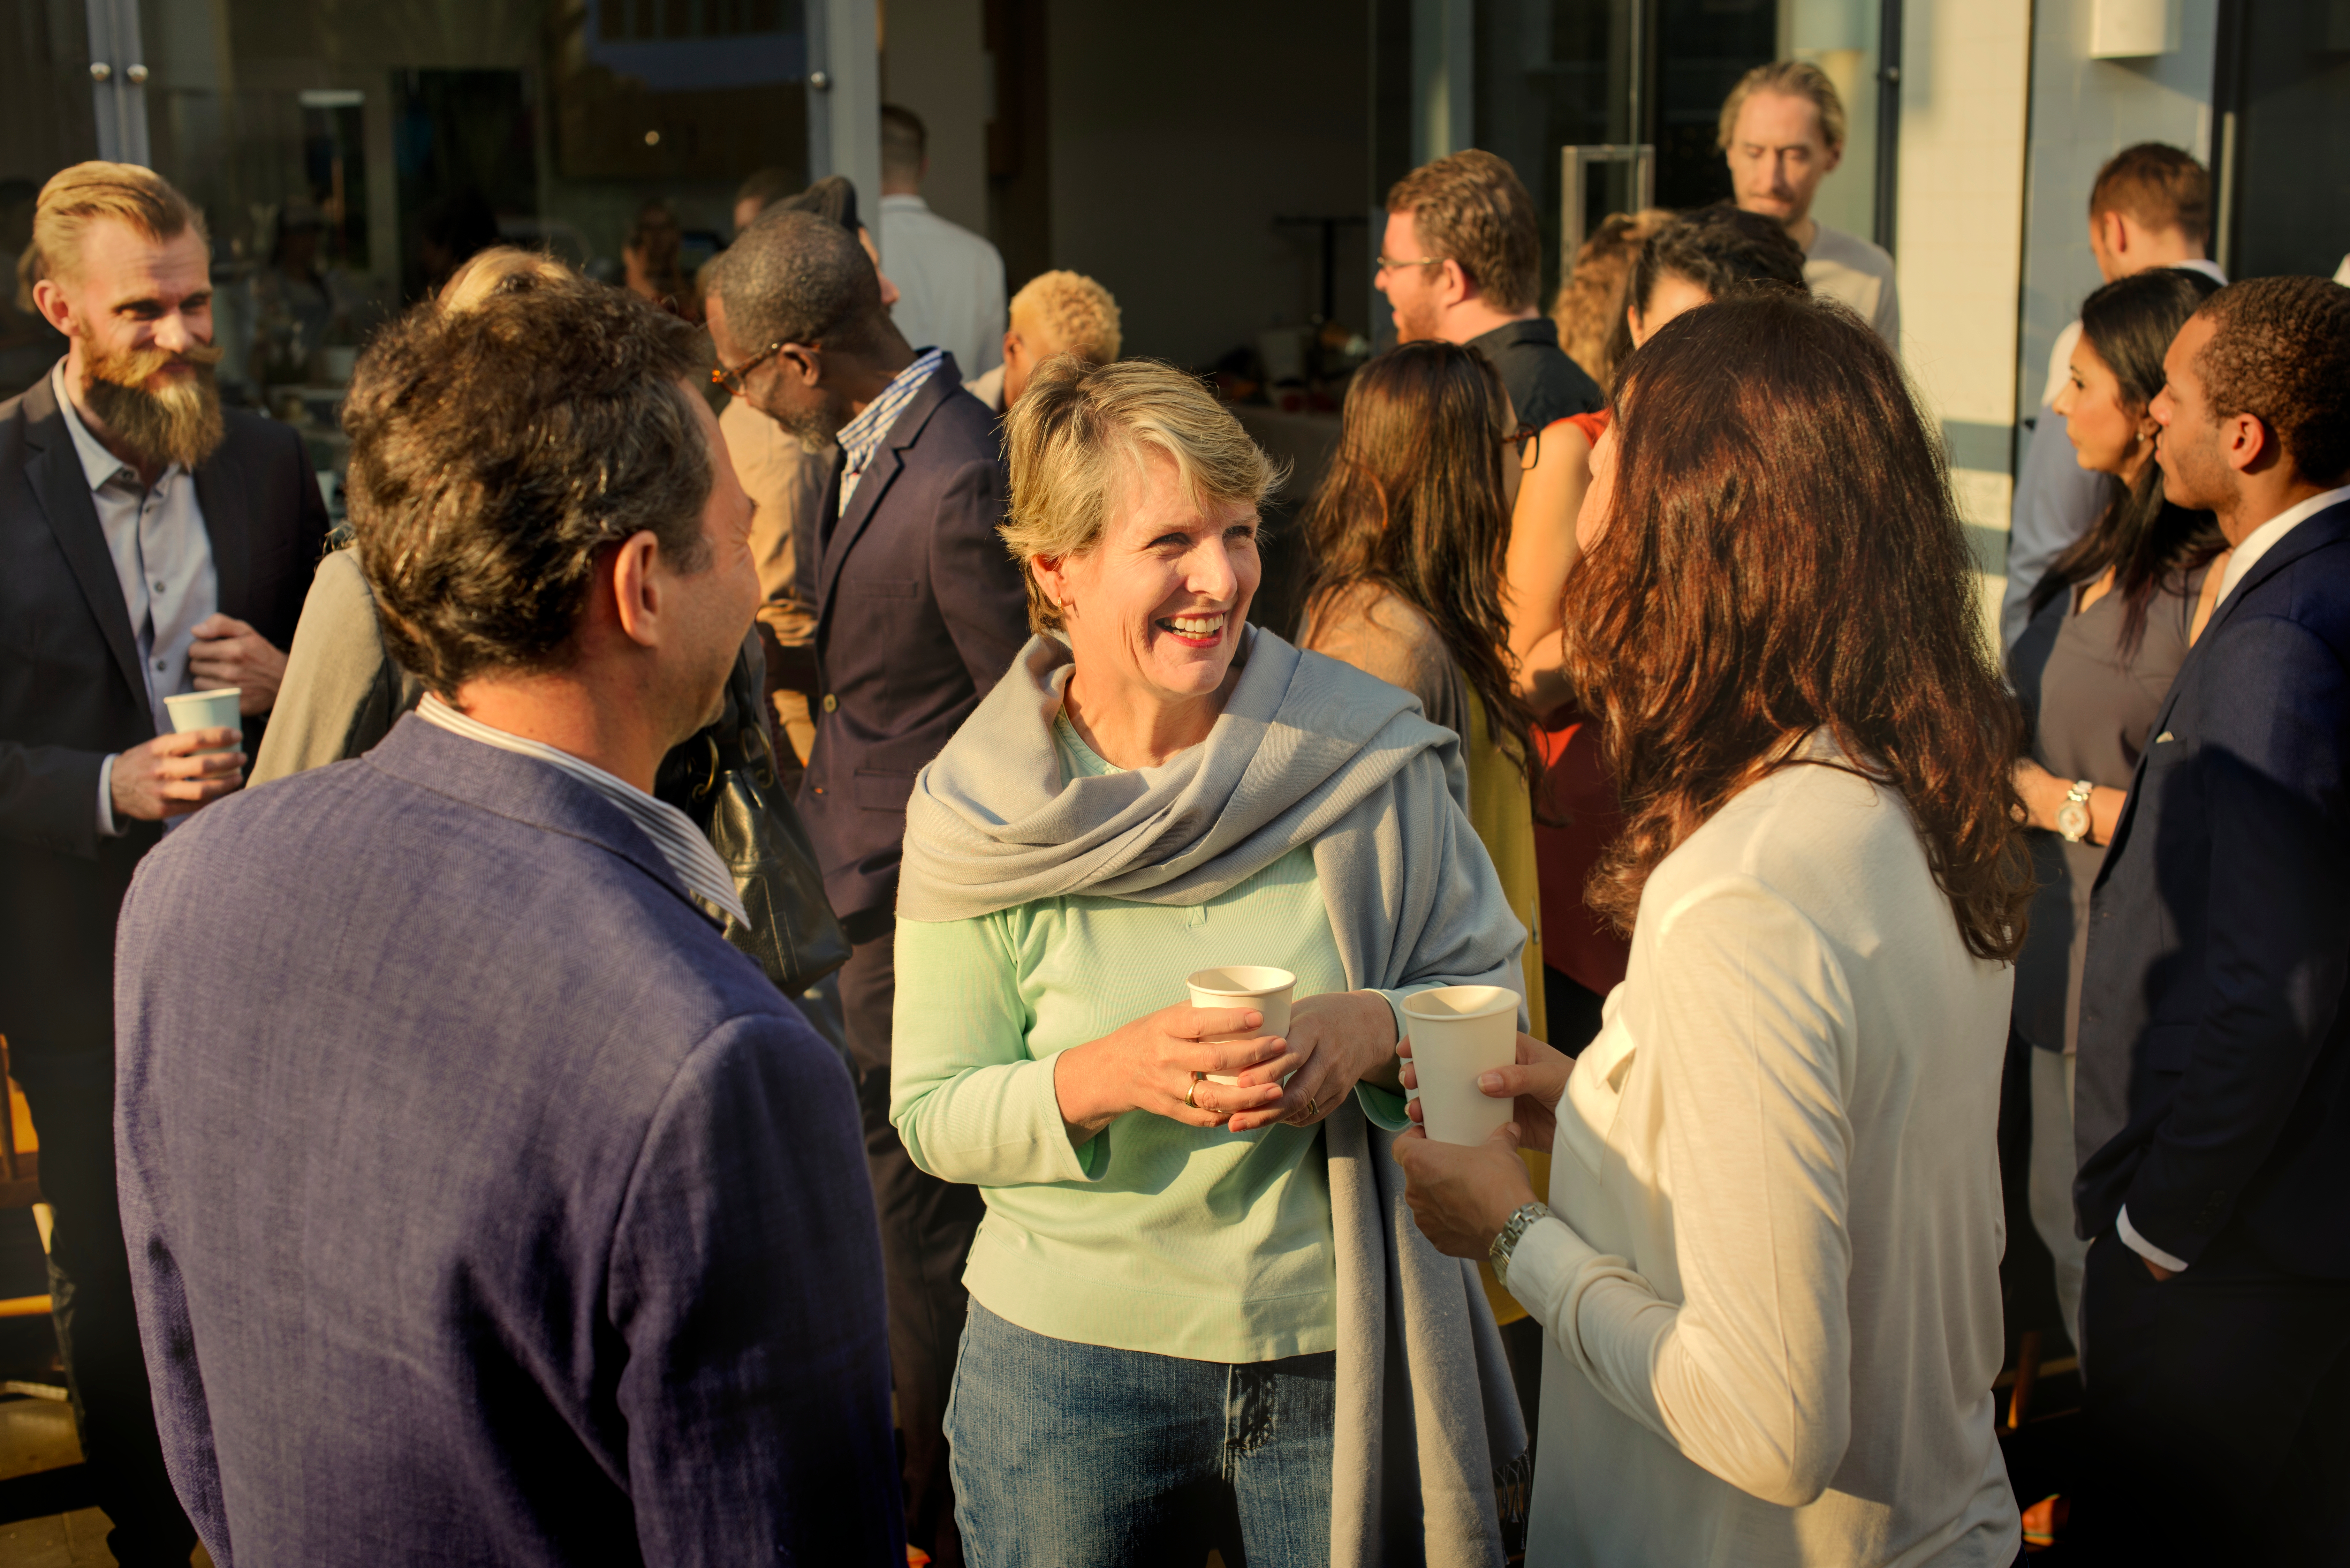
(1771, 1291)
(681, 844)
(163, 561)
(950, 283)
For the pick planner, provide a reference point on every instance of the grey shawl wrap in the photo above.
(1308, 751)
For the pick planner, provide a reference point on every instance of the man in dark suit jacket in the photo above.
(487, 1207)
(920, 611)
(152, 546)
(2213, 1096)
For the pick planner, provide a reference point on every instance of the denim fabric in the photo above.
(1075, 1455)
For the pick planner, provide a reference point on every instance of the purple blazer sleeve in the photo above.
(744, 1281)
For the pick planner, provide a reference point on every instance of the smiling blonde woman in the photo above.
(1187, 1295)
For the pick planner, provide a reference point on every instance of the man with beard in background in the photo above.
(155, 544)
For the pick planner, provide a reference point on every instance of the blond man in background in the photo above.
(1783, 131)
(1055, 313)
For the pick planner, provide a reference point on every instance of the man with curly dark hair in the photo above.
(552, 1243)
(2213, 1077)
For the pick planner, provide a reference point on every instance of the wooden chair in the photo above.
(20, 1177)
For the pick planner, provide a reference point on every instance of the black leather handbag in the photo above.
(724, 778)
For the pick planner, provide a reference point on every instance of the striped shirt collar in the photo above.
(861, 437)
(689, 854)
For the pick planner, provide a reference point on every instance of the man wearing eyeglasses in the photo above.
(1460, 261)
(919, 611)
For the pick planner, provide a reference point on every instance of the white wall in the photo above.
(2083, 112)
(934, 63)
(1959, 242)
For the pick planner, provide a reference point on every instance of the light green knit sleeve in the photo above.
(970, 1102)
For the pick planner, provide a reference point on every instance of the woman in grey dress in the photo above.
(2110, 625)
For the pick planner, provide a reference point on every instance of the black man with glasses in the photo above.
(919, 611)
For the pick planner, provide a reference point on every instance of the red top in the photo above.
(1578, 789)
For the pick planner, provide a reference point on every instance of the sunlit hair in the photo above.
(1782, 555)
(1471, 208)
(2158, 185)
(1413, 504)
(497, 449)
(1072, 313)
(1794, 79)
(1589, 308)
(500, 269)
(1081, 433)
(2129, 324)
(86, 193)
(2280, 350)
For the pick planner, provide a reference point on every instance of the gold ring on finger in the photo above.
(1189, 1102)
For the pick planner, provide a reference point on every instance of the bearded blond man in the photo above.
(1055, 313)
(155, 544)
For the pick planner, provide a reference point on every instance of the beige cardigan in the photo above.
(1773, 1293)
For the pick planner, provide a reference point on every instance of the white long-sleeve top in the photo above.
(1772, 1290)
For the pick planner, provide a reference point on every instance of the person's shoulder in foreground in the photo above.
(560, 1203)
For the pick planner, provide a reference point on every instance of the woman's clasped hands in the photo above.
(1161, 1063)
(1462, 1195)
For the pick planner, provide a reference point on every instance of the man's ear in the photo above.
(806, 360)
(634, 595)
(49, 299)
(1457, 287)
(2249, 443)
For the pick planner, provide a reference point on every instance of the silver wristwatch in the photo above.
(1512, 1228)
(2073, 816)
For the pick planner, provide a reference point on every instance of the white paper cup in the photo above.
(1458, 1032)
(1260, 986)
(206, 711)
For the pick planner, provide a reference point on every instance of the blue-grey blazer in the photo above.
(2213, 1080)
(484, 1205)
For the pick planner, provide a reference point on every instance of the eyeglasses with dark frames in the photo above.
(1387, 263)
(732, 379)
(1527, 438)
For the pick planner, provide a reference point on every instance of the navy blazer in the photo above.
(483, 1206)
(2213, 1079)
(920, 611)
(71, 692)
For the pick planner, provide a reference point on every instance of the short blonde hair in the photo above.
(78, 197)
(493, 272)
(1074, 313)
(1795, 79)
(1077, 426)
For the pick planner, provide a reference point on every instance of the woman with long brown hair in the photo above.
(1407, 534)
(1770, 1265)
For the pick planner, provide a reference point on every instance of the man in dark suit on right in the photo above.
(2214, 1100)
(919, 611)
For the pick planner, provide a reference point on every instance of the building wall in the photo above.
(1959, 246)
(1179, 135)
(934, 63)
(2083, 112)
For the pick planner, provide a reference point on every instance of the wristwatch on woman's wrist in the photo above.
(2073, 816)
(1514, 1228)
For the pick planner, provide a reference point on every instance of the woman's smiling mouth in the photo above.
(1193, 631)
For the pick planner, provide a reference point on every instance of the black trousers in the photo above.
(72, 1100)
(2218, 1404)
(927, 1227)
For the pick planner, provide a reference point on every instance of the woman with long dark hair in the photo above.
(1408, 533)
(2110, 626)
(1769, 1268)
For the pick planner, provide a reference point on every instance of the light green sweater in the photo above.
(1152, 1235)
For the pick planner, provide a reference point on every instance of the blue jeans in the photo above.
(1078, 1456)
